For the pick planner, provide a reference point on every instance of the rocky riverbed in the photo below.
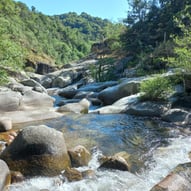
(40, 151)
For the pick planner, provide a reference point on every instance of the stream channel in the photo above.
(158, 146)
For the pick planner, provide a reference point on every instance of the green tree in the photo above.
(183, 43)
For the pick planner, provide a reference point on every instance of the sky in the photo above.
(114, 10)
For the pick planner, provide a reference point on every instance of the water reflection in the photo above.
(115, 133)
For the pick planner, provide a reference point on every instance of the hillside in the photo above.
(28, 36)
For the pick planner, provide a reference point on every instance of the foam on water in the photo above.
(164, 159)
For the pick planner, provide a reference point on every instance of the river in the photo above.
(158, 146)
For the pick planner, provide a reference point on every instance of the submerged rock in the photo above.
(88, 174)
(37, 150)
(72, 174)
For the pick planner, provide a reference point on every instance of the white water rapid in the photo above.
(164, 159)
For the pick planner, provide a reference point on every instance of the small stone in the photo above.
(88, 174)
(16, 176)
(79, 156)
(114, 162)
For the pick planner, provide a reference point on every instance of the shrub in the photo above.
(157, 88)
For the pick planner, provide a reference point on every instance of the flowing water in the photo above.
(159, 146)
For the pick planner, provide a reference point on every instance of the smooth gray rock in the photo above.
(119, 106)
(129, 87)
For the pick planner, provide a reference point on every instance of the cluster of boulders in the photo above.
(42, 151)
(75, 92)
(21, 104)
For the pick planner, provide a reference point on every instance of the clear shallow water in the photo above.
(159, 145)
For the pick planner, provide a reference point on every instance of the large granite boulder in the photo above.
(37, 150)
(177, 180)
(128, 87)
(118, 106)
(5, 177)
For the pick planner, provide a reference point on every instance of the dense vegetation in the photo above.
(158, 38)
(28, 35)
(158, 33)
